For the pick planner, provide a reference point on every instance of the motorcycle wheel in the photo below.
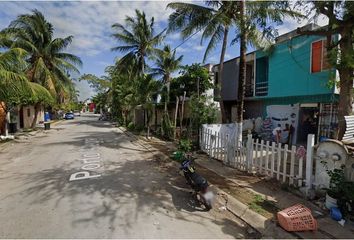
(207, 203)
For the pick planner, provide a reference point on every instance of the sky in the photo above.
(90, 23)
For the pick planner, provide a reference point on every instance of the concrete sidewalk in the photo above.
(229, 182)
(327, 228)
(26, 136)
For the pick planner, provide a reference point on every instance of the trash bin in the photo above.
(12, 127)
(46, 125)
(46, 117)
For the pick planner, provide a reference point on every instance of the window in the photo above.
(319, 61)
(28, 112)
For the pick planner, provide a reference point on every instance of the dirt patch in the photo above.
(257, 203)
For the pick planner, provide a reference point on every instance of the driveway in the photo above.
(86, 179)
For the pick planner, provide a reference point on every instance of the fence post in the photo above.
(200, 138)
(292, 164)
(267, 158)
(309, 161)
(272, 167)
(249, 153)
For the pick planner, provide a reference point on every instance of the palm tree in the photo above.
(253, 21)
(147, 88)
(166, 64)
(215, 19)
(47, 64)
(139, 39)
(14, 86)
(252, 24)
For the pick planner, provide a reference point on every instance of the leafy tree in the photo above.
(166, 64)
(15, 88)
(99, 84)
(139, 38)
(340, 52)
(193, 78)
(253, 22)
(201, 113)
(147, 87)
(214, 20)
(47, 64)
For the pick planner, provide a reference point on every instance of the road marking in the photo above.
(91, 161)
(82, 175)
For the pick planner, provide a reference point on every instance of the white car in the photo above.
(77, 113)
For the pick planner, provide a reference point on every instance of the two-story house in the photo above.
(290, 83)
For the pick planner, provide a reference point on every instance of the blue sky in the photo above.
(90, 23)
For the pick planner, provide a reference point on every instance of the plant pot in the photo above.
(330, 202)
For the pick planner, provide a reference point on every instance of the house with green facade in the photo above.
(291, 83)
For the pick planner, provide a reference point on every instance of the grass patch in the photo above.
(263, 206)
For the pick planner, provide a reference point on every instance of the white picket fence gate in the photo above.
(267, 158)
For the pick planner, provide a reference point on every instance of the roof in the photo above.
(282, 38)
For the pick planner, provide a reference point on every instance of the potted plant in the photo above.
(336, 183)
(346, 200)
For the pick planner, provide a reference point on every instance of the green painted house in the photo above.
(293, 73)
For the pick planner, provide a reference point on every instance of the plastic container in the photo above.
(297, 218)
(46, 125)
(330, 202)
(336, 214)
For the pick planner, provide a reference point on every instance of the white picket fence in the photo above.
(263, 157)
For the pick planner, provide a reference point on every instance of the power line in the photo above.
(184, 41)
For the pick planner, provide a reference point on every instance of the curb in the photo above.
(57, 122)
(5, 144)
(265, 226)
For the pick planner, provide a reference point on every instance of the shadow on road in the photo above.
(130, 190)
(134, 189)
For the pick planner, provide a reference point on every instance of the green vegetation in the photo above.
(340, 50)
(34, 69)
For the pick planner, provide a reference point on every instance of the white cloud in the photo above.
(227, 56)
(291, 24)
(89, 22)
(198, 47)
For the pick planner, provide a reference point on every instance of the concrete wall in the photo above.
(289, 71)
(28, 116)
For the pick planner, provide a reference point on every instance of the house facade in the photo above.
(290, 84)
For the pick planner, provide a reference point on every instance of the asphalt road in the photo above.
(87, 179)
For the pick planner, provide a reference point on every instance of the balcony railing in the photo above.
(262, 88)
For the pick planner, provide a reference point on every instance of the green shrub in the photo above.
(185, 145)
(131, 126)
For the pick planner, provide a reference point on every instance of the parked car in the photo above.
(69, 115)
(77, 113)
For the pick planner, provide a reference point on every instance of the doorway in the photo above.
(21, 118)
(308, 122)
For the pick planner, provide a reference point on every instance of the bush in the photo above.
(131, 126)
(185, 145)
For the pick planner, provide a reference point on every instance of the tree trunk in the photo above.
(242, 73)
(7, 121)
(167, 100)
(345, 99)
(346, 83)
(221, 71)
(182, 110)
(36, 110)
(148, 124)
(175, 123)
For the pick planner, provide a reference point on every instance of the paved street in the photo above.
(117, 190)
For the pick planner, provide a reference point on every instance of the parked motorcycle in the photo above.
(197, 183)
(103, 117)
